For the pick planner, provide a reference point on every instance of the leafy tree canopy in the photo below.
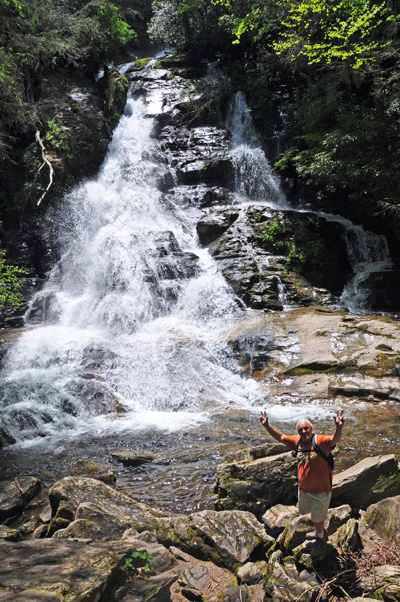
(319, 31)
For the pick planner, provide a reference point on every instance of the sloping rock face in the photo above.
(230, 539)
(271, 257)
(78, 503)
(368, 482)
(384, 516)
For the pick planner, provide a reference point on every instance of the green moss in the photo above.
(141, 63)
(384, 481)
(385, 364)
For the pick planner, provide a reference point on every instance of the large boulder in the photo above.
(368, 482)
(256, 486)
(228, 539)
(384, 516)
(15, 494)
(108, 511)
(49, 569)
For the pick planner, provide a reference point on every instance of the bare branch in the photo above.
(47, 162)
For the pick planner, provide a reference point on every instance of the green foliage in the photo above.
(323, 31)
(36, 36)
(138, 562)
(274, 237)
(10, 284)
(312, 256)
(197, 26)
(318, 31)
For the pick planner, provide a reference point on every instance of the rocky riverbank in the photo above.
(86, 541)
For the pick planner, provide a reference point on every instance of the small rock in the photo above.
(131, 458)
(249, 573)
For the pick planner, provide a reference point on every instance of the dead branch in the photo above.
(47, 162)
(18, 486)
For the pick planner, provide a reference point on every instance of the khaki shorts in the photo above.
(316, 503)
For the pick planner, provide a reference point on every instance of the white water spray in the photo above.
(254, 179)
(132, 314)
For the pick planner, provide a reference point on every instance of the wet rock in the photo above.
(383, 290)
(131, 458)
(368, 482)
(255, 351)
(88, 468)
(115, 87)
(255, 486)
(256, 262)
(228, 539)
(15, 495)
(96, 396)
(67, 495)
(384, 516)
(209, 228)
(5, 438)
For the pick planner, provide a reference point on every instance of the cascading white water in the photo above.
(130, 335)
(367, 253)
(255, 182)
(254, 179)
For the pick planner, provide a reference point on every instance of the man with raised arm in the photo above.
(314, 471)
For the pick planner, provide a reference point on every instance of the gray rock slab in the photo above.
(367, 482)
(256, 486)
(384, 516)
(132, 458)
(93, 500)
(227, 538)
(49, 569)
(15, 494)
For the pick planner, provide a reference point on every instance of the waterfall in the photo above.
(256, 183)
(368, 253)
(126, 333)
(254, 179)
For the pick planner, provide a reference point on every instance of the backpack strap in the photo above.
(319, 451)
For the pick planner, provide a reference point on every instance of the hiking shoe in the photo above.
(319, 547)
(313, 535)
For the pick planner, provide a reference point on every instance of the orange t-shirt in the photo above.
(314, 473)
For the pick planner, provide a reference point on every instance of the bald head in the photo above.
(304, 429)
